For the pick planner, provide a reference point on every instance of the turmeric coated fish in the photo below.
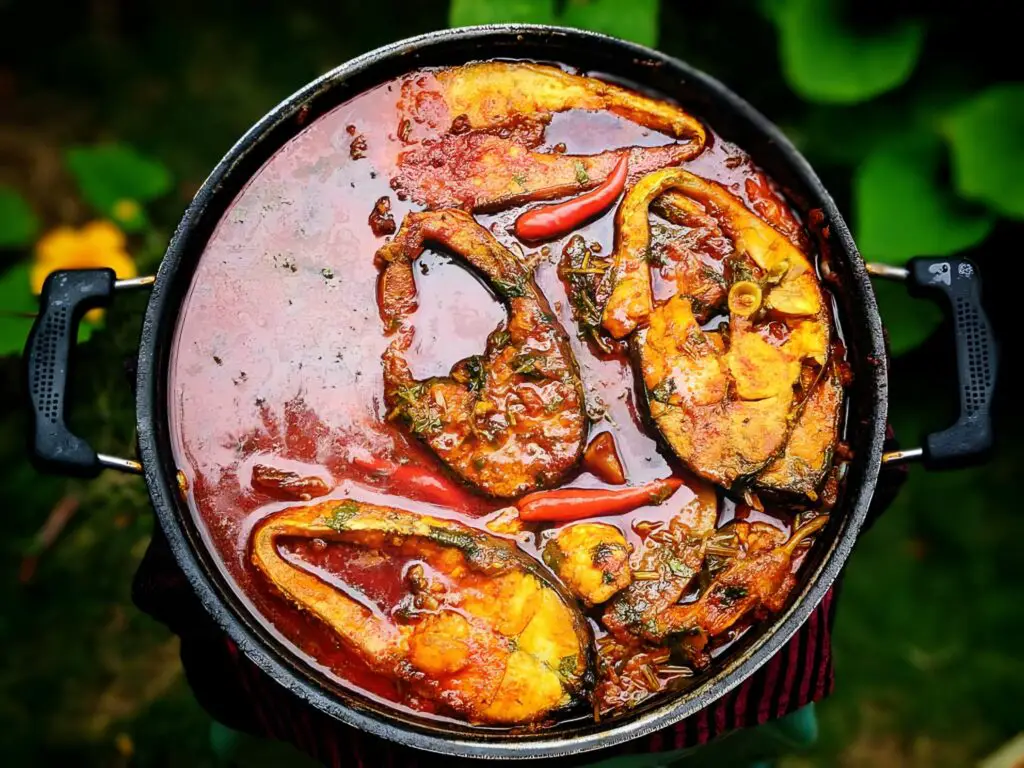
(482, 631)
(725, 412)
(472, 131)
(811, 445)
(591, 559)
(489, 93)
(725, 399)
(509, 420)
(793, 288)
(495, 94)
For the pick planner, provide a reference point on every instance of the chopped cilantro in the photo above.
(412, 394)
(500, 338)
(664, 391)
(527, 365)
(477, 374)
(582, 177)
(425, 421)
(460, 540)
(510, 289)
(730, 594)
(679, 568)
(553, 405)
(342, 513)
(603, 553)
(655, 257)
(567, 665)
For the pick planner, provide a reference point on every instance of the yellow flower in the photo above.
(97, 244)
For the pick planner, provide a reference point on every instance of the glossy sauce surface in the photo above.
(277, 358)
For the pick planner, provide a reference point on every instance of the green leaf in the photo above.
(18, 224)
(986, 136)
(113, 177)
(467, 13)
(635, 20)
(902, 209)
(824, 61)
(908, 322)
(17, 309)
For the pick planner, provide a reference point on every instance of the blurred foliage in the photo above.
(636, 20)
(826, 61)
(986, 133)
(115, 179)
(17, 309)
(18, 224)
(466, 13)
(914, 126)
(908, 168)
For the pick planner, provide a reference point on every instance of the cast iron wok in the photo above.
(67, 295)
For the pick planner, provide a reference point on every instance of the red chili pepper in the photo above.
(576, 503)
(416, 481)
(550, 221)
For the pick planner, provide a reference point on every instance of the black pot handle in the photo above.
(956, 284)
(67, 295)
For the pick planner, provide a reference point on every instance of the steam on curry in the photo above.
(510, 395)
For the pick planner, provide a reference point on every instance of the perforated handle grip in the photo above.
(66, 297)
(959, 281)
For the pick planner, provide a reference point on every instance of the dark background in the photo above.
(930, 668)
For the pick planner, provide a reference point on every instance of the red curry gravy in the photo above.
(277, 358)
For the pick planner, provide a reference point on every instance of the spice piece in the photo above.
(284, 484)
(381, 221)
(602, 460)
(357, 149)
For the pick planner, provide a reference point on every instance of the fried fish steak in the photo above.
(493, 640)
(471, 133)
(511, 419)
(726, 400)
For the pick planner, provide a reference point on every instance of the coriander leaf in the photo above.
(341, 514)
